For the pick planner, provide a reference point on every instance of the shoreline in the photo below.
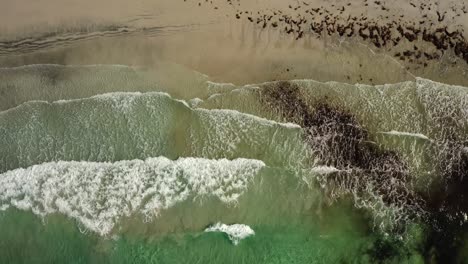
(245, 43)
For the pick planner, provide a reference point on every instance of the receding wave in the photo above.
(64, 37)
(125, 126)
(53, 82)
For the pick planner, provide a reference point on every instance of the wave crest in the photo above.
(99, 194)
(235, 232)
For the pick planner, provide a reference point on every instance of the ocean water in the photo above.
(135, 168)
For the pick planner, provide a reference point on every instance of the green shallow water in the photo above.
(337, 240)
(129, 177)
(59, 241)
(282, 212)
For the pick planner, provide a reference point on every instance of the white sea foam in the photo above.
(230, 112)
(222, 86)
(195, 102)
(122, 100)
(213, 96)
(324, 169)
(235, 232)
(405, 134)
(98, 194)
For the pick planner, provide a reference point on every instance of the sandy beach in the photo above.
(244, 41)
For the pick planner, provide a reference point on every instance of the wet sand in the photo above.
(371, 42)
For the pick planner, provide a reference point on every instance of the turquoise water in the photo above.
(321, 172)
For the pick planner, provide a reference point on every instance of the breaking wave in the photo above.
(235, 232)
(97, 194)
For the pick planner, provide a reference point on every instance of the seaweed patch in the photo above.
(377, 179)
